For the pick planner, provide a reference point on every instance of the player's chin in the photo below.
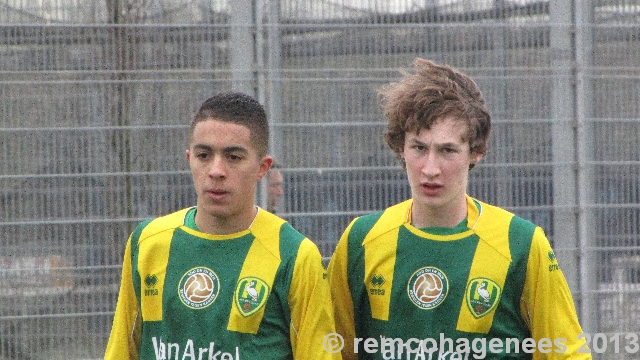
(216, 209)
(428, 200)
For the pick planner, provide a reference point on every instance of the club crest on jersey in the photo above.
(428, 287)
(199, 287)
(482, 296)
(250, 295)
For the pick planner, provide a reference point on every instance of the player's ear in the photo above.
(265, 165)
(475, 158)
(188, 155)
(400, 157)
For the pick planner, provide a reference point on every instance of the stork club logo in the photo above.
(482, 296)
(250, 295)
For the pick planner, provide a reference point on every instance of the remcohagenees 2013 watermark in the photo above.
(445, 348)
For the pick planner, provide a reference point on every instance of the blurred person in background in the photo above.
(443, 265)
(275, 189)
(224, 279)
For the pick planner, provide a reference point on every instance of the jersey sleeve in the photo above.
(310, 305)
(341, 295)
(547, 305)
(124, 341)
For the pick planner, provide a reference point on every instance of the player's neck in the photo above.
(224, 225)
(447, 216)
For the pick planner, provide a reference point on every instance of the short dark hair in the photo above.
(237, 108)
(433, 92)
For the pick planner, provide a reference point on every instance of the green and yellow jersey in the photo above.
(494, 276)
(259, 293)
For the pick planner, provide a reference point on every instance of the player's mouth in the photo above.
(217, 194)
(431, 189)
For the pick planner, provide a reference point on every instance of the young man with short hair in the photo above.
(443, 275)
(224, 279)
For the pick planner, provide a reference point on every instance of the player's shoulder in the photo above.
(152, 227)
(276, 234)
(495, 220)
(270, 226)
(370, 226)
(500, 216)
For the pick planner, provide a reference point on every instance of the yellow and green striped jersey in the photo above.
(259, 293)
(492, 276)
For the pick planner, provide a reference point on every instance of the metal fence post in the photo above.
(586, 172)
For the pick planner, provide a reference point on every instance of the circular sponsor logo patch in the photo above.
(199, 287)
(428, 287)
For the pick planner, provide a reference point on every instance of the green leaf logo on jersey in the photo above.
(482, 296)
(428, 287)
(251, 295)
(199, 287)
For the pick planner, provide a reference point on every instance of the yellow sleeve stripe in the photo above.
(376, 257)
(157, 231)
(380, 245)
(262, 261)
(493, 245)
(341, 293)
